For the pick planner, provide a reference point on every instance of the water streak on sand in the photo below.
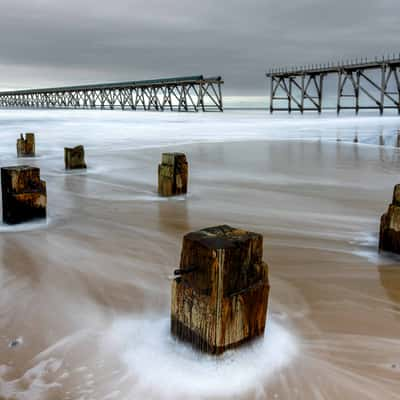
(88, 291)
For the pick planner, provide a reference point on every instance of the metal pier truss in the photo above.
(360, 85)
(190, 93)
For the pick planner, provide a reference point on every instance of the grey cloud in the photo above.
(87, 41)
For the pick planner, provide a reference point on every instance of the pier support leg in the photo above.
(302, 93)
(271, 97)
(383, 89)
(339, 92)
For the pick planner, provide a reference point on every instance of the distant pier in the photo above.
(189, 93)
(301, 88)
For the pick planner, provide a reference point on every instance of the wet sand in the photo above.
(88, 292)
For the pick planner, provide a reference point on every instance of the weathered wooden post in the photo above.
(23, 193)
(389, 235)
(26, 146)
(74, 157)
(220, 292)
(172, 174)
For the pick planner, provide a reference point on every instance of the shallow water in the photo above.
(87, 293)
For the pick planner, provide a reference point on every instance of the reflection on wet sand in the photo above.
(389, 278)
(173, 215)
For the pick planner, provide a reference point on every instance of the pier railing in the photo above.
(373, 81)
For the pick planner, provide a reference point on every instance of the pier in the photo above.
(361, 84)
(190, 93)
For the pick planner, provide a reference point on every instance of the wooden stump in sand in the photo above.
(23, 193)
(172, 174)
(220, 293)
(74, 157)
(26, 146)
(389, 235)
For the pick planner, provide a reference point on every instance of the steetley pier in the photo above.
(361, 84)
(189, 93)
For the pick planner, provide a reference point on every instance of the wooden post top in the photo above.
(20, 178)
(235, 252)
(79, 147)
(169, 158)
(396, 195)
(20, 168)
(222, 237)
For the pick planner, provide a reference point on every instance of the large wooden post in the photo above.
(26, 146)
(389, 235)
(74, 157)
(220, 293)
(23, 193)
(172, 174)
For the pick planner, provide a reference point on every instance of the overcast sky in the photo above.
(52, 42)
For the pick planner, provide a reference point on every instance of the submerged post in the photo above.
(23, 193)
(220, 292)
(26, 146)
(74, 158)
(172, 174)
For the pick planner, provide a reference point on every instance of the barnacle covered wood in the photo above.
(23, 194)
(74, 157)
(172, 174)
(223, 301)
(26, 146)
(389, 236)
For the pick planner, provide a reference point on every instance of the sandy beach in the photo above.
(86, 294)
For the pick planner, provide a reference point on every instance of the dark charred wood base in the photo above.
(74, 158)
(182, 332)
(389, 238)
(23, 194)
